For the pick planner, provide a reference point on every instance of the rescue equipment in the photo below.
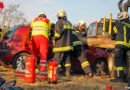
(108, 87)
(52, 72)
(30, 69)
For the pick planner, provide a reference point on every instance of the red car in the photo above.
(97, 56)
(16, 46)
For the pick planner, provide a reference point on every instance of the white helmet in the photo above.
(81, 22)
(61, 13)
(42, 15)
(122, 15)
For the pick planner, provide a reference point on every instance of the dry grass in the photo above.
(75, 82)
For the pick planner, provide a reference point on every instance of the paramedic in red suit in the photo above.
(40, 40)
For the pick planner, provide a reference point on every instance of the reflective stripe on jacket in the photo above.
(119, 68)
(41, 26)
(75, 39)
(121, 32)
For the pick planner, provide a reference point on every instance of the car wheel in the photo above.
(19, 60)
(101, 68)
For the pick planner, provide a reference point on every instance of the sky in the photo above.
(88, 10)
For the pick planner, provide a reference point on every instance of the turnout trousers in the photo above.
(79, 54)
(40, 48)
(63, 59)
(120, 61)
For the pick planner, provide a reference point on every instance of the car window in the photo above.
(94, 29)
(107, 28)
(10, 32)
(99, 29)
(90, 30)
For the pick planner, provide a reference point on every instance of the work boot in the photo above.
(128, 83)
(42, 73)
(89, 75)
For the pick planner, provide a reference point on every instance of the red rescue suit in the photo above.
(40, 42)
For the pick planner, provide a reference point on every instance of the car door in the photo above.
(92, 33)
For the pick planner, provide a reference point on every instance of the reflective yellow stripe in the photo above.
(84, 64)
(40, 28)
(123, 43)
(124, 28)
(73, 32)
(126, 24)
(63, 48)
(67, 65)
(75, 42)
(67, 27)
(56, 34)
(119, 68)
(115, 29)
(40, 33)
(59, 65)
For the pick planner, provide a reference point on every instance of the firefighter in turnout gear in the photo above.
(40, 40)
(63, 41)
(121, 34)
(78, 53)
(81, 27)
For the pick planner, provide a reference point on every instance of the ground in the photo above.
(74, 82)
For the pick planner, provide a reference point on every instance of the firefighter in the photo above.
(121, 33)
(125, 6)
(63, 41)
(78, 53)
(82, 28)
(40, 40)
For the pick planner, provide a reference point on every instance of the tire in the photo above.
(100, 67)
(19, 60)
(111, 64)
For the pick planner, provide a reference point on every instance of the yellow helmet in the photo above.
(61, 13)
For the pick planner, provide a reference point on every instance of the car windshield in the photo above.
(10, 32)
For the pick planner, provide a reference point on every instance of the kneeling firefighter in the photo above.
(78, 53)
(40, 40)
(121, 33)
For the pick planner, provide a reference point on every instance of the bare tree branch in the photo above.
(12, 17)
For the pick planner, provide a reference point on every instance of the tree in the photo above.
(12, 17)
